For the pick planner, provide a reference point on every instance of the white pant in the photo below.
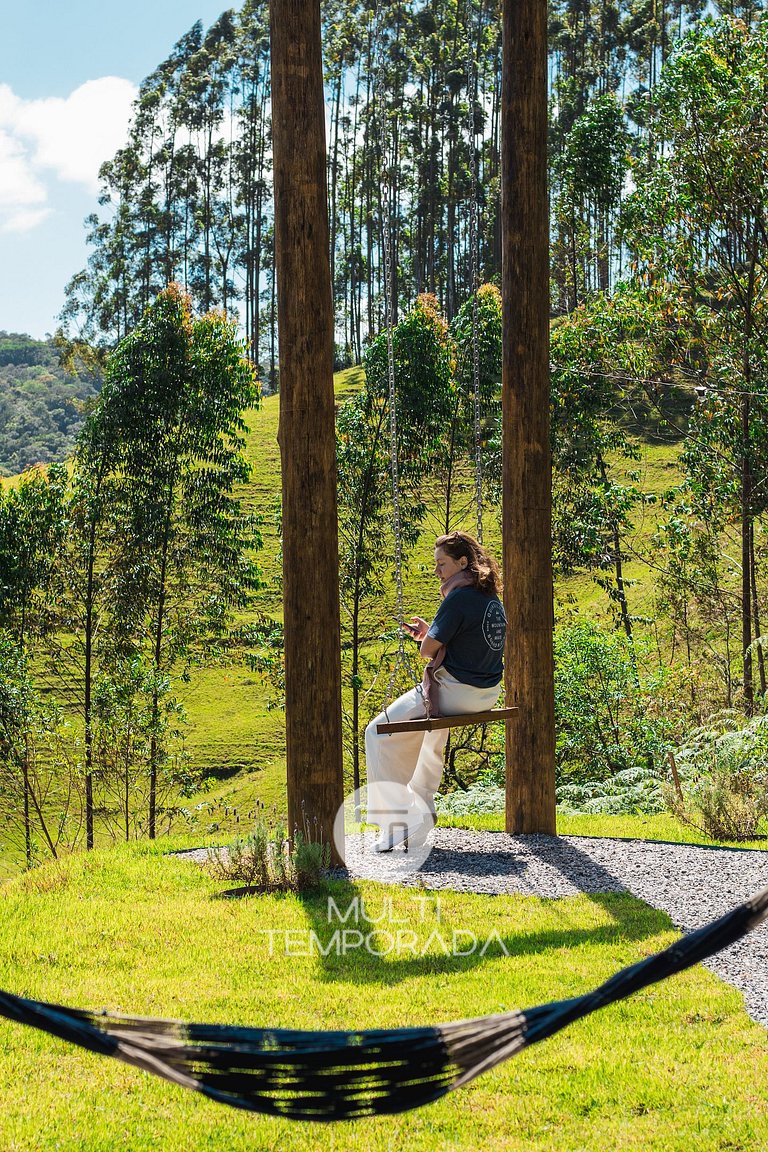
(415, 759)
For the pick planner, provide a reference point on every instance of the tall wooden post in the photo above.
(527, 499)
(306, 432)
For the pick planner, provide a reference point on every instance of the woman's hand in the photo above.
(418, 628)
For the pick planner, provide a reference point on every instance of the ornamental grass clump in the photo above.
(722, 786)
(266, 860)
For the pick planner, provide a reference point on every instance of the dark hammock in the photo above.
(343, 1075)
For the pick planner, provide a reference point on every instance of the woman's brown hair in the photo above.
(480, 564)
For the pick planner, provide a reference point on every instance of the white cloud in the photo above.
(22, 195)
(65, 139)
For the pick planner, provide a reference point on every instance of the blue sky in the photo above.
(69, 70)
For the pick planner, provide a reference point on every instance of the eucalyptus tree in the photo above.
(157, 131)
(698, 223)
(203, 92)
(78, 654)
(172, 411)
(251, 147)
(591, 170)
(472, 439)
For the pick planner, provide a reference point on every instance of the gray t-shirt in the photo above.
(472, 626)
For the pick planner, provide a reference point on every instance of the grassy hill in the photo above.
(233, 731)
(236, 734)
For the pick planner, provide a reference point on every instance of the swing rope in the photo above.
(402, 658)
(344, 1075)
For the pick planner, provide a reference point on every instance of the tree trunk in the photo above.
(306, 431)
(27, 815)
(154, 749)
(746, 495)
(88, 682)
(527, 468)
(756, 609)
(618, 563)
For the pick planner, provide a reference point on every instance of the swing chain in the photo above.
(402, 657)
(473, 265)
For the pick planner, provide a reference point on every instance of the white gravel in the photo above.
(691, 883)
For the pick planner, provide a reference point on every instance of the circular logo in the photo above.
(398, 846)
(494, 626)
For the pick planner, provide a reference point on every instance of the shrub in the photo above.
(267, 861)
(723, 778)
(633, 791)
(310, 858)
(475, 800)
(611, 715)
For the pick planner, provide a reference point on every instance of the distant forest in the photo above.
(41, 404)
(412, 95)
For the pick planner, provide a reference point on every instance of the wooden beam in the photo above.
(433, 724)
(527, 469)
(306, 431)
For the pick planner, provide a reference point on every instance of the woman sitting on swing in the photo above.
(464, 645)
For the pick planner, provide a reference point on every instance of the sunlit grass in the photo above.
(677, 1068)
(662, 827)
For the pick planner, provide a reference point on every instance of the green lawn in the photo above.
(678, 1067)
(659, 827)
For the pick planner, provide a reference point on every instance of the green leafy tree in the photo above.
(171, 410)
(80, 649)
(463, 441)
(126, 720)
(698, 223)
(39, 781)
(609, 718)
(31, 529)
(593, 496)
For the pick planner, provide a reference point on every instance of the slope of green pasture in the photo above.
(675, 1068)
(656, 472)
(234, 734)
(231, 728)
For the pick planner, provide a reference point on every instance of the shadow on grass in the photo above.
(374, 953)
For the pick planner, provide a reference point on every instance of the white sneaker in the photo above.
(389, 840)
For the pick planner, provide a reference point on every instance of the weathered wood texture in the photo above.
(465, 720)
(306, 432)
(527, 510)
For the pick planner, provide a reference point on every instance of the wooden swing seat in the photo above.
(462, 720)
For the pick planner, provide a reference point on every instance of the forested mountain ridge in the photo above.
(41, 403)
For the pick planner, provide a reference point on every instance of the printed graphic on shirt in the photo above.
(494, 625)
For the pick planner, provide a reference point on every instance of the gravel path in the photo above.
(692, 884)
